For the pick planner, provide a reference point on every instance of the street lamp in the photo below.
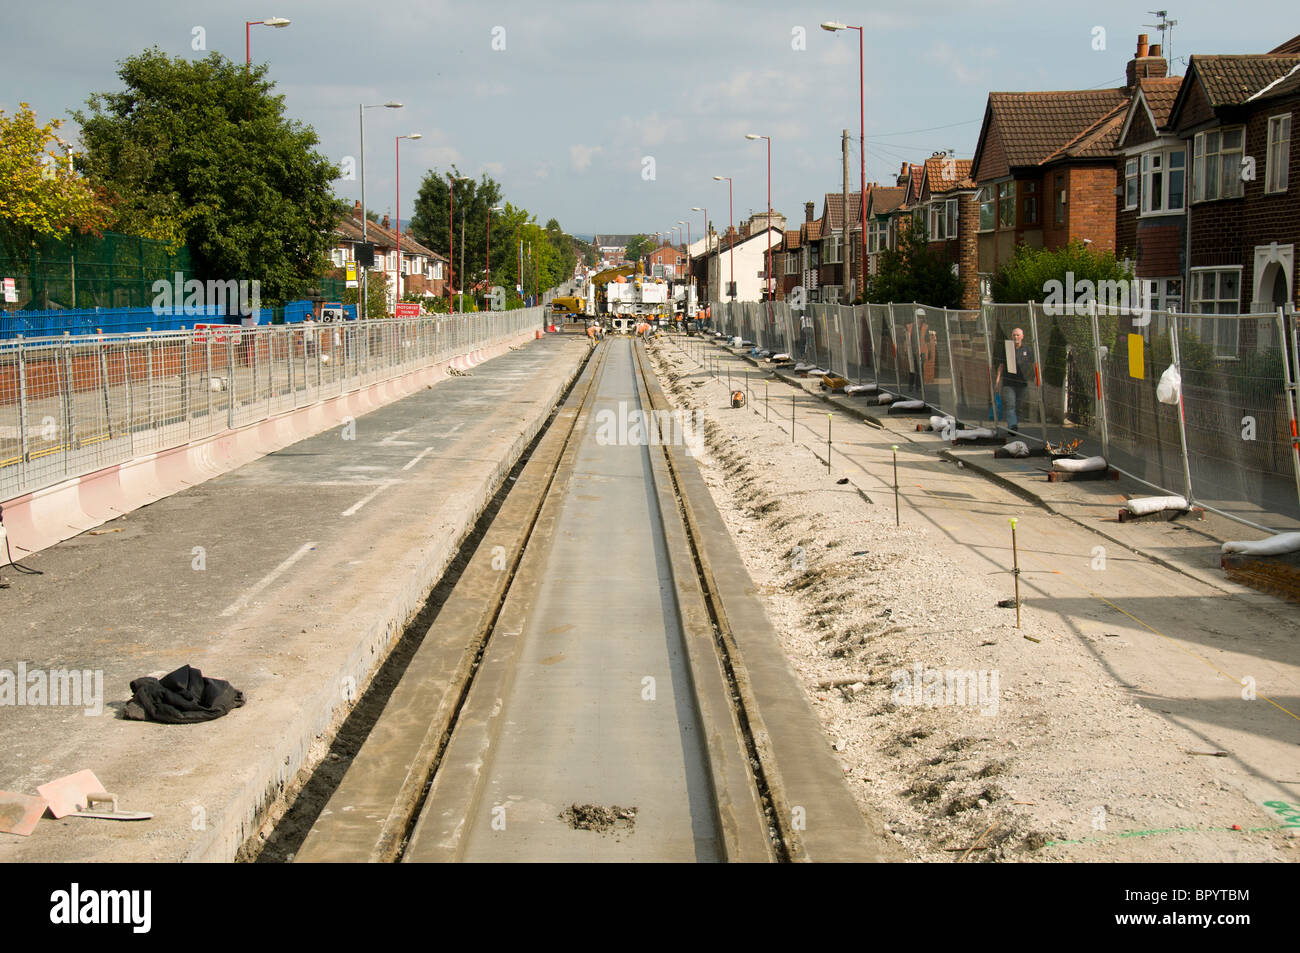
(491, 209)
(697, 208)
(277, 22)
(397, 149)
(751, 135)
(832, 26)
(451, 228)
(365, 222)
(731, 227)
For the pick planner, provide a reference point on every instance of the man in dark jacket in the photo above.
(1013, 382)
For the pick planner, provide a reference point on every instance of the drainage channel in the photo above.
(283, 832)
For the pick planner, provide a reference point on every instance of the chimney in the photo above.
(384, 223)
(356, 209)
(808, 208)
(1146, 64)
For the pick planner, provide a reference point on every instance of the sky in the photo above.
(613, 117)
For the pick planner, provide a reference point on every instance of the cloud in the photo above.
(581, 156)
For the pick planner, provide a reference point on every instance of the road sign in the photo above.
(351, 275)
(408, 309)
(11, 291)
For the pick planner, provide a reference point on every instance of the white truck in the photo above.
(630, 302)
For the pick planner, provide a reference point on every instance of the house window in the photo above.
(1060, 198)
(1217, 291)
(791, 263)
(1279, 153)
(1031, 203)
(1160, 296)
(938, 224)
(1131, 184)
(831, 294)
(1006, 205)
(951, 213)
(988, 209)
(1163, 175)
(338, 256)
(831, 250)
(1216, 172)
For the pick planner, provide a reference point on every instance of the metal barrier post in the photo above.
(1101, 390)
(100, 348)
(207, 351)
(69, 418)
(1182, 420)
(1291, 393)
(149, 376)
(1038, 368)
(952, 368)
(231, 380)
(288, 362)
(184, 378)
(24, 450)
(988, 363)
(130, 394)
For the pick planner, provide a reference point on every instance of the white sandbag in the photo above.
(736, 342)
(1144, 505)
(781, 357)
(973, 433)
(883, 398)
(802, 368)
(909, 404)
(861, 388)
(1017, 448)
(1278, 545)
(1170, 387)
(1080, 466)
(939, 423)
(817, 372)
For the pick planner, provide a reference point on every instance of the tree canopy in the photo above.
(915, 272)
(40, 192)
(202, 150)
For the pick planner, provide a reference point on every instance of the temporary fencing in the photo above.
(75, 404)
(1230, 445)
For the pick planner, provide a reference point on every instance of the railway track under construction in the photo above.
(601, 684)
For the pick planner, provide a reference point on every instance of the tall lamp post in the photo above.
(832, 26)
(488, 260)
(365, 222)
(277, 22)
(697, 208)
(751, 135)
(731, 227)
(451, 230)
(397, 149)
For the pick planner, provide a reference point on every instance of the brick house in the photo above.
(667, 261)
(1234, 115)
(949, 198)
(1046, 165)
(1151, 220)
(421, 271)
(830, 278)
(882, 203)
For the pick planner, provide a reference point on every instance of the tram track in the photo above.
(439, 763)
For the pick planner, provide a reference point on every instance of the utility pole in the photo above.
(846, 254)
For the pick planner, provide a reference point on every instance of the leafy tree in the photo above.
(40, 193)
(638, 248)
(473, 199)
(915, 272)
(376, 295)
(204, 148)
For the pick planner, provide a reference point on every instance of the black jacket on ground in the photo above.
(182, 697)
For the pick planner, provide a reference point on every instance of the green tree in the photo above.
(473, 199)
(205, 146)
(915, 272)
(376, 296)
(638, 248)
(40, 193)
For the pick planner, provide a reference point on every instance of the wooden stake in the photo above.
(898, 521)
(828, 444)
(1015, 570)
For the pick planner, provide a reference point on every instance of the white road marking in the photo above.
(418, 458)
(390, 442)
(362, 469)
(266, 580)
(450, 432)
(351, 510)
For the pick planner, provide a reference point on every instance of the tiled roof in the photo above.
(1232, 80)
(833, 218)
(811, 231)
(885, 199)
(350, 230)
(1036, 126)
(1288, 85)
(943, 176)
(1160, 93)
(1290, 46)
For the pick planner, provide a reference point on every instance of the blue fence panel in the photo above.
(55, 323)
